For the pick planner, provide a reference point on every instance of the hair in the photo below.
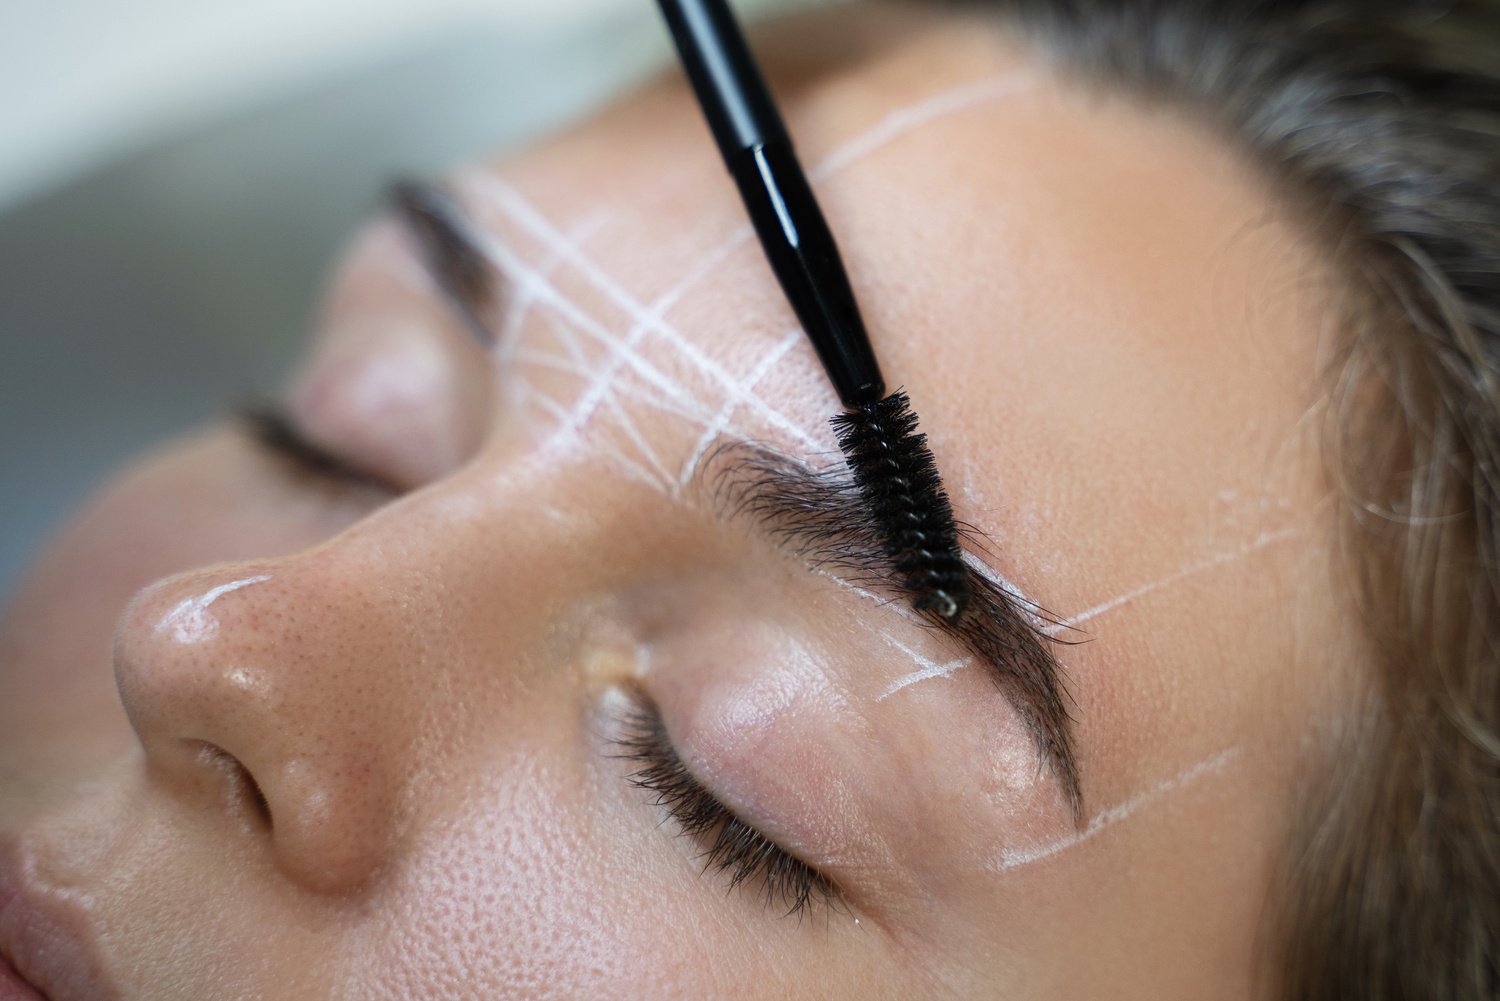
(1386, 115)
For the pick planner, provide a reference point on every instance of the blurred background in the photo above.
(176, 177)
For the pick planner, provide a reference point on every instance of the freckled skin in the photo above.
(384, 769)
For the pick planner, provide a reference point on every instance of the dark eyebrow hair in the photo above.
(818, 515)
(453, 258)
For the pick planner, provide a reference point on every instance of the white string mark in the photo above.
(911, 117)
(564, 334)
(190, 620)
(522, 211)
(655, 314)
(901, 609)
(641, 394)
(721, 420)
(1022, 601)
(1015, 858)
(929, 669)
(617, 389)
(558, 412)
(509, 262)
(895, 124)
(1259, 542)
(520, 305)
(627, 424)
(1052, 628)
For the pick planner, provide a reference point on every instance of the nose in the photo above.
(247, 695)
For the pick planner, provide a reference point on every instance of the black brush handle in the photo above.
(733, 94)
(758, 152)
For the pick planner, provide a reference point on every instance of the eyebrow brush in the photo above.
(893, 468)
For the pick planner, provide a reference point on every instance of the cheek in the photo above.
(528, 893)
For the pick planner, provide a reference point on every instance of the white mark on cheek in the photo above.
(1015, 858)
(191, 621)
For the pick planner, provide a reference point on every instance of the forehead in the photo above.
(1103, 316)
(1042, 253)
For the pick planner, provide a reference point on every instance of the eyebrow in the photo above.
(452, 254)
(819, 516)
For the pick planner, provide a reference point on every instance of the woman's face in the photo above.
(375, 738)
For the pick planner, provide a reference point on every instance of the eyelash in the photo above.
(730, 845)
(269, 426)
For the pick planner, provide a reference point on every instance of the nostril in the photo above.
(244, 792)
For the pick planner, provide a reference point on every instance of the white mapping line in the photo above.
(1053, 628)
(1259, 542)
(894, 125)
(651, 317)
(522, 211)
(913, 116)
(721, 420)
(1015, 858)
(557, 411)
(627, 424)
(928, 669)
(190, 620)
(1022, 601)
(507, 260)
(641, 394)
(519, 308)
(900, 608)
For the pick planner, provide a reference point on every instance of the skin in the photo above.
(1110, 327)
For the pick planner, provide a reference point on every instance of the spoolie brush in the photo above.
(899, 483)
(892, 466)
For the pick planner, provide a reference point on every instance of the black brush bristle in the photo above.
(899, 483)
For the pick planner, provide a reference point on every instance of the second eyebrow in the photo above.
(819, 515)
(453, 256)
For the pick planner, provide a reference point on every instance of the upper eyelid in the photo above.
(820, 515)
(647, 742)
(270, 426)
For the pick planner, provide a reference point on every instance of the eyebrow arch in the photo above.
(818, 515)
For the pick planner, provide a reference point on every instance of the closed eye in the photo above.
(730, 846)
(269, 426)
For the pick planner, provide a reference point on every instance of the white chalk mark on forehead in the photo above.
(925, 668)
(190, 621)
(624, 349)
(623, 354)
(1014, 858)
(1256, 544)
(909, 118)
(518, 306)
(721, 420)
